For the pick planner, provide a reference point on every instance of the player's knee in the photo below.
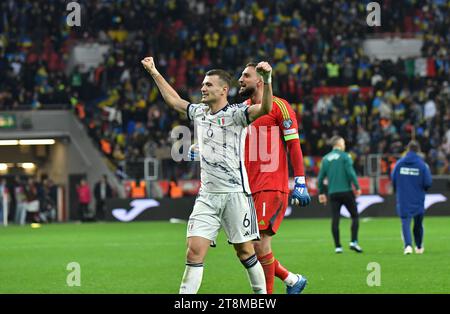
(262, 247)
(261, 250)
(354, 215)
(244, 250)
(195, 254)
(258, 248)
(244, 254)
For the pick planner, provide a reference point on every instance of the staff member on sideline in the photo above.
(337, 166)
(411, 178)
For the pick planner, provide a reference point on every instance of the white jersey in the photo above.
(221, 137)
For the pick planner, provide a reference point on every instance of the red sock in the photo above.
(267, 263)
(280, 271)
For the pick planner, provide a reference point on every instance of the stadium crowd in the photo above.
(311, 45)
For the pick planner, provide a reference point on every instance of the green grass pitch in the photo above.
(148, 257)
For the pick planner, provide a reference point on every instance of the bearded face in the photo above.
(248, 82)
(247, 91)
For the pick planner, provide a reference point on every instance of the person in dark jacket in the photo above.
(102, 191)
(411, 177)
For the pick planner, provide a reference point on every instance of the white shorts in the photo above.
(234, 212)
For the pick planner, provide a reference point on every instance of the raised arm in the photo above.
(254, 112)
(170, 96)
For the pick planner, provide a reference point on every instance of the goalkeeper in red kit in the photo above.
(267, 168)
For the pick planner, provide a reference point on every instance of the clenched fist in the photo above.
(149, 65)
(265, 70)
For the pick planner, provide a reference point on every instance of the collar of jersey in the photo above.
(214, 113)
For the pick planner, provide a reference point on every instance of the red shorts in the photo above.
(270, 209)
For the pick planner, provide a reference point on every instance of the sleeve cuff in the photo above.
(187, 112)
(247, 117)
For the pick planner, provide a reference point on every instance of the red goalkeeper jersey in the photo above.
(266, 152)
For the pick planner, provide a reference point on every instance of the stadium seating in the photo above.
(319, 65)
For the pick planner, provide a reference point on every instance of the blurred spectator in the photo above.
(102, 192)
(21, 201)
(3, 198)
(138, 189)
(429, 110)
(49, 201)
(175, 190)
(84, 199)
(32, 205)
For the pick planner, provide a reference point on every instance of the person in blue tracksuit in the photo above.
(411, 177)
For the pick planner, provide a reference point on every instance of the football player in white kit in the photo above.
(224, 199)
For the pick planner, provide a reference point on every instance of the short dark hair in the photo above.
(223, 75)
(335, 139)
(251, 64)
(414, 146)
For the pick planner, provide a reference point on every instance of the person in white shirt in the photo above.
(224, 199)
(429, 110)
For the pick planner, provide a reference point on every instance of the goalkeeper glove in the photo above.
(193, 153)
(300, 194)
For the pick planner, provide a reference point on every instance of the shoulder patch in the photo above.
(287, 123)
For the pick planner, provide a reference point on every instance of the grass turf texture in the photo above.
(148, 257)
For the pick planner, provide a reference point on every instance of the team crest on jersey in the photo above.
(221, 121)
(210, 132)
(287, 123)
